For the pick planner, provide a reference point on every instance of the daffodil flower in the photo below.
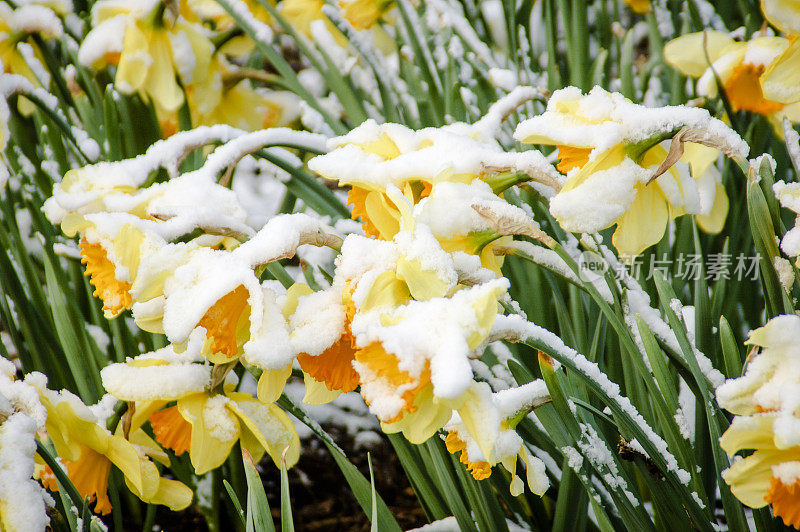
(364, 14)
(17, 25)
(112, 247)
(148, 48)
(780, 80)
(412, 359)
(206, 423)
(765, 401)
(746, 71)
(224, 96)
(483, 431)
(219, 291)
(88, 450)
(610, 149)
(320, 329)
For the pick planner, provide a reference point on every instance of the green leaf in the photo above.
(258, 514)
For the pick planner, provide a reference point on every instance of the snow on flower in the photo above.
(611, 150)
(208, 418)
(483, 431)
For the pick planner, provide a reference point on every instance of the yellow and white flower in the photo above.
(150, 48)
(610, 148)
(746, 71)
(483, 431)
(16, 26)
(766, 401)
(413, 359)
(88, 450)
(780, 80)
(205, 422)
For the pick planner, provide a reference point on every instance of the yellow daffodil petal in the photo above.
(386, 290)
(783, 14)
(641, 7)
(686, 52)
(485, 309)
(750, 432)
(317, 392)
(431, 415)
(604, 161)
(161, 84)
(749, 478)
(135, 60)
(715, 220)
(266, 427)
(123, 455)
(210, 446)
(271, 383)
(173, 494)
(475, 414)
(422, 284)
(293, 295)
(383, 214)
(644, 222)
(781, 81)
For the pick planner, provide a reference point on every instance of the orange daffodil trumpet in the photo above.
(612, 154)
(766, 403)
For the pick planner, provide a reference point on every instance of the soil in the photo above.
(321, 499)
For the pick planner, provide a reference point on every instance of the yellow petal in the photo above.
(644, 223)
(485, 308)
(430, 416)
(266, 427)
(160, 83)
(123, 455)
(423, 284)
(386, 290)
(173, 494)
(749, 478)
(698, 157)
(603, 161)
(783, 14)
(293, 295)
(271, 383)
(479, 416)
(317, 392)
(715, 220)
(210, 447)
(134, 62)
(686, 52)
(781, 81)
(383, 214)
(748, 432)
